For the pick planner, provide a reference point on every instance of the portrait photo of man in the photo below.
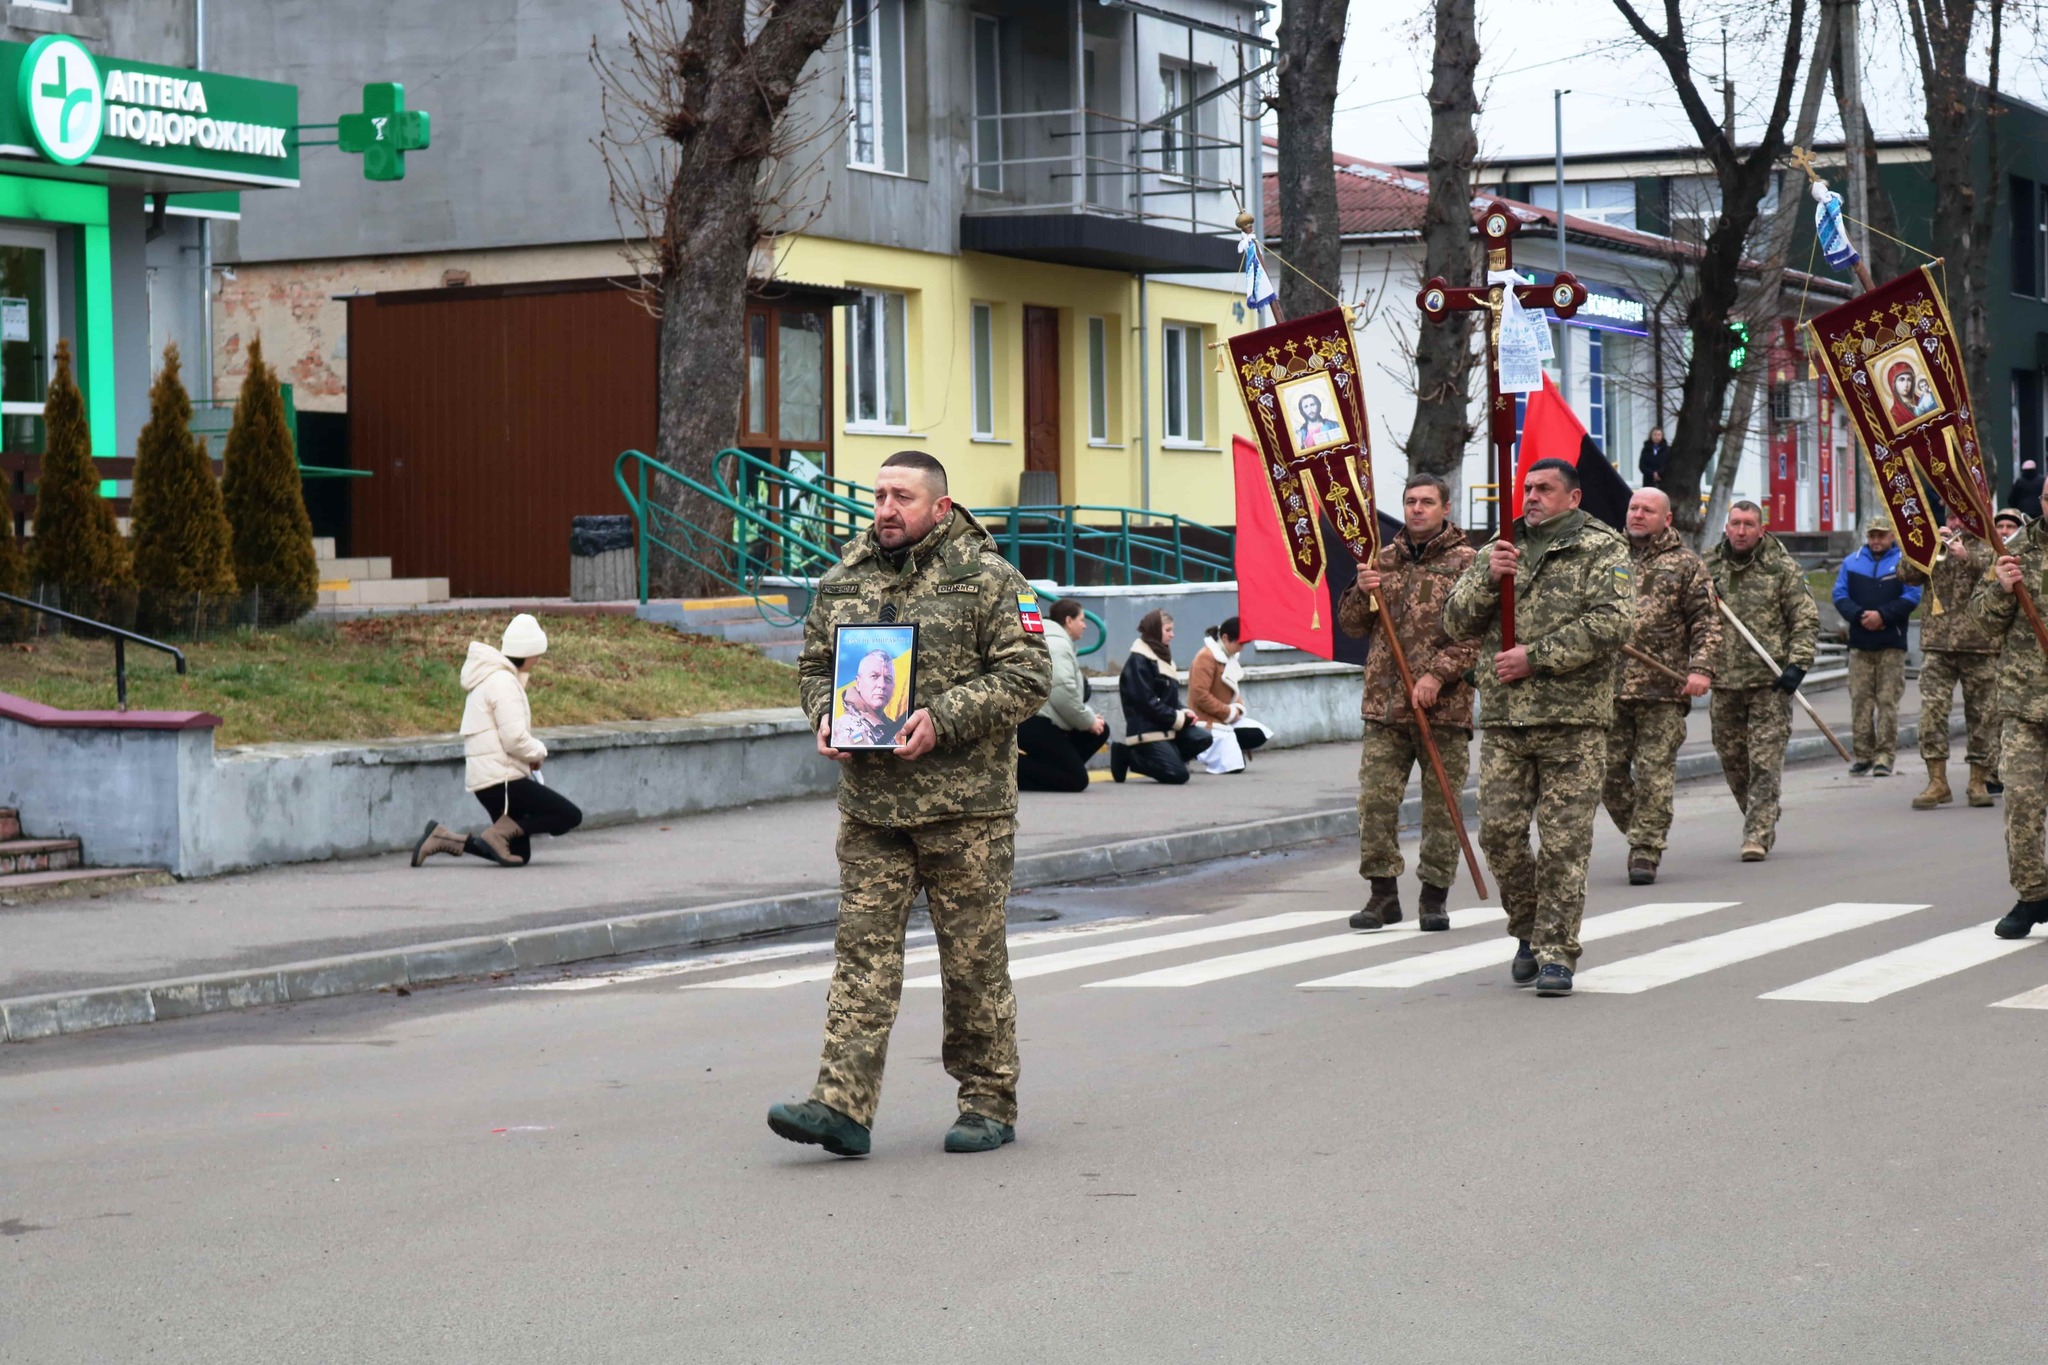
(865, 724)
(1313, 418)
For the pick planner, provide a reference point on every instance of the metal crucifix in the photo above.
(1439, 299)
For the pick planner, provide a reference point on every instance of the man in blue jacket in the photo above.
(1875, 602)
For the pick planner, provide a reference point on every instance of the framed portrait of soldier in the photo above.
(1309, 406)
(874, 683)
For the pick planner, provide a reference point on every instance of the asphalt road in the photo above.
(1213, 1162)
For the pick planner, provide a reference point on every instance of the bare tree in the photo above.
(1743, 182)
(1443, 353)
(693, 111)
(1311, 239)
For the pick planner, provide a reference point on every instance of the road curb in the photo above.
(426, 964)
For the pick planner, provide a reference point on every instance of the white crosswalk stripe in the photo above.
(1424, 968)
(822, 971)
(1075, 959)
(1859, 983)
(2035, 999)
(1633, 975)
(1288, 954)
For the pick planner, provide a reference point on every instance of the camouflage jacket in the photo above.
(1574, 605)
(1955, 580)
(1768, 592)
(1676, 623)
(2022, 667)
(980, 671)
(1416, 584)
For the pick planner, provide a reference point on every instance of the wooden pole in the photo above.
(1453, 804)
(1646, 660)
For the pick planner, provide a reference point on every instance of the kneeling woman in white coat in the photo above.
(503, 756)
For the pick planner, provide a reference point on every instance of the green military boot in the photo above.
(820, 1125)
(978, 1133)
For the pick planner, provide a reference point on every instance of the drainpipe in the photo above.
(205, 227)
(1144, 399)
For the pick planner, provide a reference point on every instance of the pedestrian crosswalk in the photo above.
(1203, 954)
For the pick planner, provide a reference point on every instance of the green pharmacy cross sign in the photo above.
(382, 134)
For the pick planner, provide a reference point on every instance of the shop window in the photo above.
(875, 361)
(983, 334)
(1098, 380)
(876, 78)
(988, 103)
(1181, 361)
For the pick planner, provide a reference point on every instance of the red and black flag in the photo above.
(1551, 431)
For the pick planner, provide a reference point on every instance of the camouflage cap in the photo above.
(1880, 522)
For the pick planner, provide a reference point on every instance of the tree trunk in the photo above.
(1443, 352)
(1311, 41)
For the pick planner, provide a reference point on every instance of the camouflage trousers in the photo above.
(1941, 671)
(1752, 725)
(2023, 766)
(1548, 774)
(1877, 679)
(964, 867)
(1642, 770)
(1389, 754)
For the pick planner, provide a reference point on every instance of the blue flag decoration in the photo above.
(1827, 226)
(1258, 288)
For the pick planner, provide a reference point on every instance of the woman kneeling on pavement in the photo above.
(1160, 734)
(1216, 695)
(504, 758)
(1054, 746)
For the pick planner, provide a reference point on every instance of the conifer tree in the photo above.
(78, 549)
(182, 541)
(13, 576)
(273, 536)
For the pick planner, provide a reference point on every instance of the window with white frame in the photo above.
(875, 81)
(1603, 201)
(874, 361)
(1181, 362)
(988, 102)
(982, 332)
(1177, 138)
(1098, 380)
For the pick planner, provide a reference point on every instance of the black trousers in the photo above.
(534, 808)
(1054, 759)
(1166, 760)
(1249, 737)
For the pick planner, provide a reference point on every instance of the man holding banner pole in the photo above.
(2023, 740)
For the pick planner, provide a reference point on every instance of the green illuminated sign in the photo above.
(1741, 351)
(384, 132)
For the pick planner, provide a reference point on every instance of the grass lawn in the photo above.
(398, 675)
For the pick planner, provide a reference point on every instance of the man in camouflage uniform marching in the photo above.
(1676, 625)
(1751, 710)
(938, 812)
(2023, 741)
(1414, 573)
(1958, 652)
(1544, 709)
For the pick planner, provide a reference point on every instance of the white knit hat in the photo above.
(524, 639)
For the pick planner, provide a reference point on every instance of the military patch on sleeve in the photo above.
(1027, 613)
(1621, 581)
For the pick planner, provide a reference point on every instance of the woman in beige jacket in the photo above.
(503, 757)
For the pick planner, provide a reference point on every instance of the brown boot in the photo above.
(1431, 914)
(495, 843)
(1937, 792)
(1382, 907)
(1979, 793)
(438, 839)
(1642, 868)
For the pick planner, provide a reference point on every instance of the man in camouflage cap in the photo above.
(1414, 573)
(1676, 625)
(2023, 741)
(1544, 709)
(1959, 652)
(938, 812)
(1751, 710)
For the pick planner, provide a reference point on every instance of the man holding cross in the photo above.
(1544, 709)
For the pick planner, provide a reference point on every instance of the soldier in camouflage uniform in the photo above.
(1676, 625)
(2023, 742)
(1958, 652)
(1544, 709)
(1751, 708)
(1414, 574)
(940, 812)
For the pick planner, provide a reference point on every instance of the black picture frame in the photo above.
(854, 715)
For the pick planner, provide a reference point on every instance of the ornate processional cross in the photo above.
(1439, 299)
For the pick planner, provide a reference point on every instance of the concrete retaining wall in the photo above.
(1304, 703)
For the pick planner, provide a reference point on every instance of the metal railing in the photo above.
(1109, 164)
(121, 639)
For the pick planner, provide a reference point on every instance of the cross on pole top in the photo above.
(384, 132)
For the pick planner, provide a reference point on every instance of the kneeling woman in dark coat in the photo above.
(1160, 734)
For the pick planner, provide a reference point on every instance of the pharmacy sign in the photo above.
(62, 98)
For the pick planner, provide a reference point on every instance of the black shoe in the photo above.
(1430, 915)
(2020, 920)
(1554, 979)
(1382, 907)
(1858, 769)
(1523, 969)
(820, 1125)
(1119, 761)
(1995, 787)
(978, 1133)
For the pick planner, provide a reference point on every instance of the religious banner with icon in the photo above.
(1300, 385)
(1893, 356)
